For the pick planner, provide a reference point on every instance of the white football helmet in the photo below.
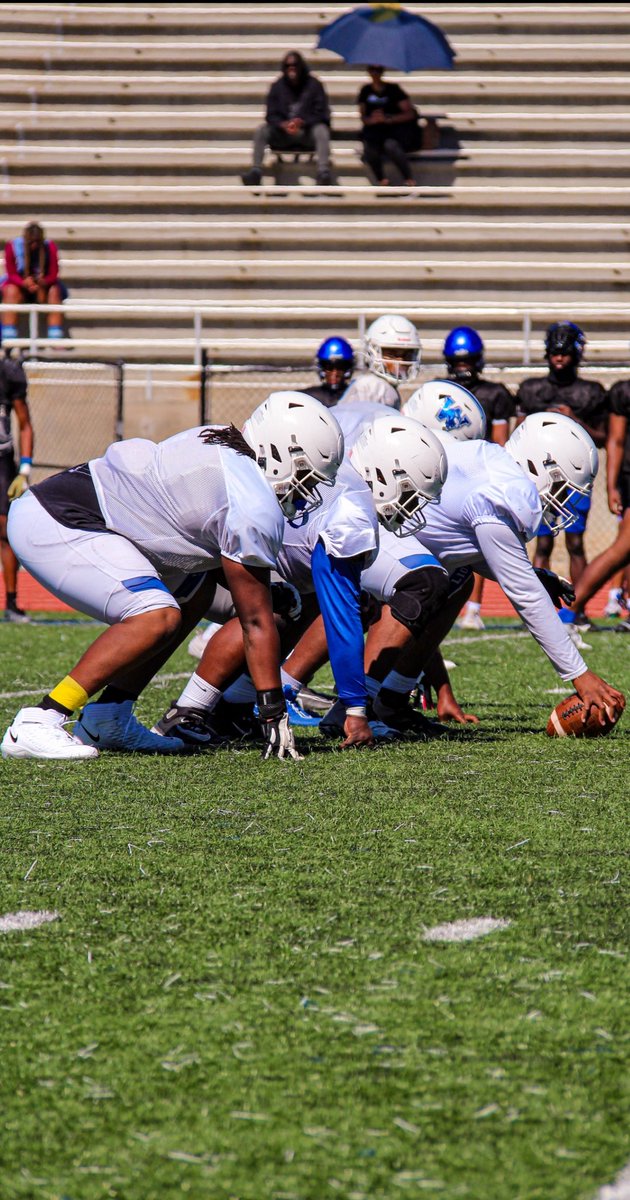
(560, 458)
(298, 444)
(405, 467)
(449, 408)
(392, 349)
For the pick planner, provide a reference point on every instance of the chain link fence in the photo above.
(76, 409)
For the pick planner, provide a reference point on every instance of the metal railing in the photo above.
(525, 316)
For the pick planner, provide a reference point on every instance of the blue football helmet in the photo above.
(335, 352)
(564, 337)
(463, 354)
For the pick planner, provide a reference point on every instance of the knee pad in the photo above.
(418, 597)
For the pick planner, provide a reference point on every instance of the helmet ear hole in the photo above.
(532, 467)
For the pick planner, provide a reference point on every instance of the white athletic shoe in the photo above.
(114, 727)
(615, 606)
(198, 643)
(576, 638)
(470, 620)
(40, 733)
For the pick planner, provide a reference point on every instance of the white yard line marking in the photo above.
(619, 1190)
(166, 678)
(465, 930)
(454, 640)
(19, 921)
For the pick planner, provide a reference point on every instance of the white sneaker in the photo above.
(40, 733)
(470, 620)
(114, 727)
(615, 606)
(576, 638)
(198, 643)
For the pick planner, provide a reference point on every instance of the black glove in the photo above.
(286, 600)
(560, 590)
(274, 719)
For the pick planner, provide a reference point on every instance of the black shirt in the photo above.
(13, 386)
(619, 397)
(495, 399)
(389, 101)
(586, 399)
(325, 394)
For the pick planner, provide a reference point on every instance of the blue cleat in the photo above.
(297, 714)
(114, 727)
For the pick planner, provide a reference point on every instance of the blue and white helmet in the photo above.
(560, 458)
(447, 407)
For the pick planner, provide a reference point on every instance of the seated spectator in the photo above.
(390, 126)
(32, 266)
(298, 118)
(335, 365)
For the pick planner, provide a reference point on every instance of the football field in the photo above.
(401, 972)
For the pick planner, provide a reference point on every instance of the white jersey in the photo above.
(368, 388)
(354, 418)
(488, 510)
(185, 503)
(345, 522)
(484, 485)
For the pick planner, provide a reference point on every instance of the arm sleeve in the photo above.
(338, 586)
(277, 110)
(317, 106)
(13, 275)
(52, 274)
(507, 559)
(503, 407)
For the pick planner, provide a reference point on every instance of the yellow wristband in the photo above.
(69, 693)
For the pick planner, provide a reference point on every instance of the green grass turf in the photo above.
(237, 1000)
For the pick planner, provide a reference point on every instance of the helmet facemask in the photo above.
(402, 364)
(557, 497)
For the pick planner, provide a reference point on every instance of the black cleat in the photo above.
(193, 726)
(409, 721)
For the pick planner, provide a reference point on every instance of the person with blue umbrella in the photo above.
(390, 126)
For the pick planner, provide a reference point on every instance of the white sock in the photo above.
(199, 694)
(615, 594)
(372, 686)
(242, 691)
(289, 680)
(473, 607)
(400, 683)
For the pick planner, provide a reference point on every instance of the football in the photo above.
(566, 720)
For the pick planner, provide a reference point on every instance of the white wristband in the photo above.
(25, 469)
(356, 710)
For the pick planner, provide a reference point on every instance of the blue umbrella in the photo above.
(387, 36)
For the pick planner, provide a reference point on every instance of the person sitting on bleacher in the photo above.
(32, 266)
(391, 127)
(297, 118)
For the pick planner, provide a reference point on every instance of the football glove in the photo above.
(286, 600)
(274, 719)
(18, 487)
(560, 590)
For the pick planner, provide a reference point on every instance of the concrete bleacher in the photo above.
(125, 128)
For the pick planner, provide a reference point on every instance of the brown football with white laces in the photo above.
(566, 720)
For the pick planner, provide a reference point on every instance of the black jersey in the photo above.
(495, 399)
(584, 397)
(12, 387)
(619, 397)
(325, 394)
